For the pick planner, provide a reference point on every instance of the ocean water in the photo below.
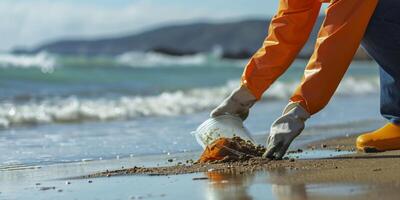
(56, 109)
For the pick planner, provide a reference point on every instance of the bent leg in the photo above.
(382, 42)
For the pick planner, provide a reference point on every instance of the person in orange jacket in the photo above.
(346, 25)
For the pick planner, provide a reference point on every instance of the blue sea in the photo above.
(61, 109)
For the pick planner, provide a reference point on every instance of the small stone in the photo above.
(90, 181)
(170, 160)
(200, 178)
(67, 183)
(37, 183)
(59, 190)
(291, 160)
(323, 146)
(299, 150)
(47, 188)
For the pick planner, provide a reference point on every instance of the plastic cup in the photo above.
(224, 126)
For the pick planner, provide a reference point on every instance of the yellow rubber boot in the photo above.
(384, 139)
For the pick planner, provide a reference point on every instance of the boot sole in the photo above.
(370, 150)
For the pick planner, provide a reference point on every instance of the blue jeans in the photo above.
(382, 42)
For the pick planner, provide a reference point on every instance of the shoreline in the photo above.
(350, 167)
(319, 170)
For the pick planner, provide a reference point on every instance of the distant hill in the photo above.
(237, 39)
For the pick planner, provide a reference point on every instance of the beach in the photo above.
(59, 125)
(338, 173)
(106, 100)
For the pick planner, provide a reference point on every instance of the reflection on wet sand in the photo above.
(239, 186)
(285, 191)
(229, 186)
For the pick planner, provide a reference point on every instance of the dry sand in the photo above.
(355, 167)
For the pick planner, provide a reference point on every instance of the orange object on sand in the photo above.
(337, 42)
(231, 149)
(384, 139)
(213, 152)
(216, 151)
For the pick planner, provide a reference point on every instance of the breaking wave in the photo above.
(157, 59)
(74, 109)
(44, 61)
(152, 59)
(47, 62)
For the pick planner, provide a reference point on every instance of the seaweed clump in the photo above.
(233, 149)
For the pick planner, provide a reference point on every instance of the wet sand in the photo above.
(320, 170)
(353, 167)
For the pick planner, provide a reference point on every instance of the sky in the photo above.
(27, 23)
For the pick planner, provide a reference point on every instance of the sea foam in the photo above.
(153, 59)
(75, 109)
(43, 60)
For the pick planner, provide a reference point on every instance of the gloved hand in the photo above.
(285, 129)
(237, 104)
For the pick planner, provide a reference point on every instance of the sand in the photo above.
(227, 150)
(346, 143)
(356, 167)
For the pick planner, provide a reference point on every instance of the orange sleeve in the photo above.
(288, 32)
(338, 41)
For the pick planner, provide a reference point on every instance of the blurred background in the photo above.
(101, 79)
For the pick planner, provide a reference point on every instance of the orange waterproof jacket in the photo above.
(337, 42)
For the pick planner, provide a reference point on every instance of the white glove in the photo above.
(237, 104)
(285, 129)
